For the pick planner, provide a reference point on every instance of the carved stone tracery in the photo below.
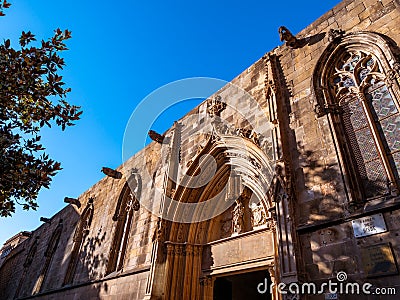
(363, 105)
(258, 215)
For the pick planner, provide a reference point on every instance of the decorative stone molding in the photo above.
(335, 34)
(373, 43)
(160, 230)
(221, 128)
(246, 157)
(393, 74)
(215, 106)
(206, 281)
(249, 134)
(258, 215)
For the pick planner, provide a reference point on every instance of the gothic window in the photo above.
(50, 251)
(81, 231)
(361, 95)
(6, 251)
(370, 118)
(126, 205)
(28, 261)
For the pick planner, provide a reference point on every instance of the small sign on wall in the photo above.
(369, 225)
(378, 260)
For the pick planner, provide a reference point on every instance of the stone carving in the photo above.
(258, 215)
(215, 106)
(111, 173)
(246, 157)
(159, 233)
(335, 34)
(226, 228)
(206, 281)
(270, 85)
(73, 201)
(287, 36)
(158, 137)
(393, 74)
(220, 127)
(238, 217)
(249, 134)
(45, 220)
(133, 203)
(180, 235)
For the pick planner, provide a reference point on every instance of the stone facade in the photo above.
(300, 155)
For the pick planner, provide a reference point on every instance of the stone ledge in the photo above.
(92, 282)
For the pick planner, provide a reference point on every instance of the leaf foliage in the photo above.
(32, 95)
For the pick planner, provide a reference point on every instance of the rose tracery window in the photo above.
(370, 120)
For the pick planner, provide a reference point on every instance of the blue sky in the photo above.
(121, 52)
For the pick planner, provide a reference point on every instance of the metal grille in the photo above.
(396, 158)
(364, 151)
(382, 102)
(391, 131)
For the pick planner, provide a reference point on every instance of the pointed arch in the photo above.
(356, 84)
(28, 261)
(81, 231)
(127, 203)
(49, 253)
(187, 244)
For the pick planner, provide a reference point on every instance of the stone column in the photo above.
(195, 290)
(169, 264)
(207, 286)
(189, 268)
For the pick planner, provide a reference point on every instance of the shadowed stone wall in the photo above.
(316, 224)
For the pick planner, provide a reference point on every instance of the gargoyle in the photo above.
(156, 136)
(112, 173)
(287, 36)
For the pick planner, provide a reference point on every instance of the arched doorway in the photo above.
(207, 258)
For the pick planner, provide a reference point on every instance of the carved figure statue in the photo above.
(238, 217)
